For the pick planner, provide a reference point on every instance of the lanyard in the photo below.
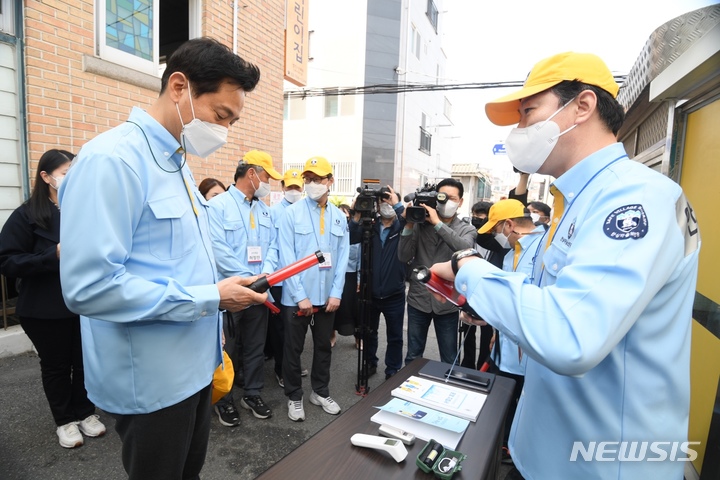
(252, 218)
(564, 216)
(517, 258)
(317, 238)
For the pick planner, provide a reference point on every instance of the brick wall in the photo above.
(67, 106)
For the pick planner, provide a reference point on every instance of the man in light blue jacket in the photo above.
(605, 316)
(309, 225)
(137, 263)
(245, 244)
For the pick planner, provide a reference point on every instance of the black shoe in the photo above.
(388, 375)
(258, 407)
(228, 415)
(372, 370)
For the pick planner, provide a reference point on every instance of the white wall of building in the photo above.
(337, 49)
(412, 166)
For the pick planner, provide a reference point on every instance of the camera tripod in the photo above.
(365, 301)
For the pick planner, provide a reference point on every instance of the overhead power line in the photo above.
(392, 88)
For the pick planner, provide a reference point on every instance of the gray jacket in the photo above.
(426, 246)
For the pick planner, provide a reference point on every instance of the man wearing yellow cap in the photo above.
(309, 225)
(604, 318)
(292, 186)
(245, 243)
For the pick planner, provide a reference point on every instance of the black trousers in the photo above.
(169, 444)
(59, 347)
(296, 327)
(251, 324)
(276, 333)
(472, 357)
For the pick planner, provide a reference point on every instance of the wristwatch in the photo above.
(459, 255)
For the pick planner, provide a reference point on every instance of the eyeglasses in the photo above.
(315, 180)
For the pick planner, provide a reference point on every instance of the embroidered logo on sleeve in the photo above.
(629, 221)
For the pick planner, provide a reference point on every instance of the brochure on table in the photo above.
(441, 396)
(423, 431)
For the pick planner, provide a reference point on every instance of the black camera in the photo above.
(427, 195)
(366, 201)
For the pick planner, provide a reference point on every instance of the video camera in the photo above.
(366, 201)
(427, 195)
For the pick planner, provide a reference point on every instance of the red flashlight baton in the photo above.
(271, 306)
(443, 287)
(263, 283)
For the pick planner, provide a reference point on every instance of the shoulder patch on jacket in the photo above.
(625, 222)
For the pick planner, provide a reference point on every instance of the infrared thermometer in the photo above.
(394, 447)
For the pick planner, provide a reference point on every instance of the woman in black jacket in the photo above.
(30, 253)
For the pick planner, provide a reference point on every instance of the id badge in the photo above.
(327, 263)
(254, 254)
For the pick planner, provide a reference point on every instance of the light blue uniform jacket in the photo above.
(299, 236)
(137, 265)
(233, 233)
(605, 321)
(509, 361)
(276, 213)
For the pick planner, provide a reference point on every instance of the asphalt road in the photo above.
(29, 448)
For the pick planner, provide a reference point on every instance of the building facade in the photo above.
(395, 137)
(672, 98)
(71, 69)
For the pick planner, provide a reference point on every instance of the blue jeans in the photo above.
(393, 309)
(446, 331)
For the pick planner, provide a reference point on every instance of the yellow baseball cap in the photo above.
(319, 166)
(264, 160)
(293, 177)
(583, 67)
(503, 210)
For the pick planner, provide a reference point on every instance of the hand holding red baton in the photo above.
(264, 283)
(445, 288)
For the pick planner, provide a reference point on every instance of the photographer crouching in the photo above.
(427, 241)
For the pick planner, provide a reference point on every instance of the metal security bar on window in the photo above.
(432, 14)
(425, 141)
(343, 172)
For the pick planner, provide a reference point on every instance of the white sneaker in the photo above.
(92, 426)
(296, 411)
(69, 435)
(328, 404)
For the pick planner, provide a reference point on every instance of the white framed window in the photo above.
(294, 108)
(415, 42)
(337, 105)
(331, 106)
(143, 33)
(7, 17)
(447, 109)
(432, 14)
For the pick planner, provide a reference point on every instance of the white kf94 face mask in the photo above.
(293, 196)
(529, 147)
(315, 190)
(199, 137)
